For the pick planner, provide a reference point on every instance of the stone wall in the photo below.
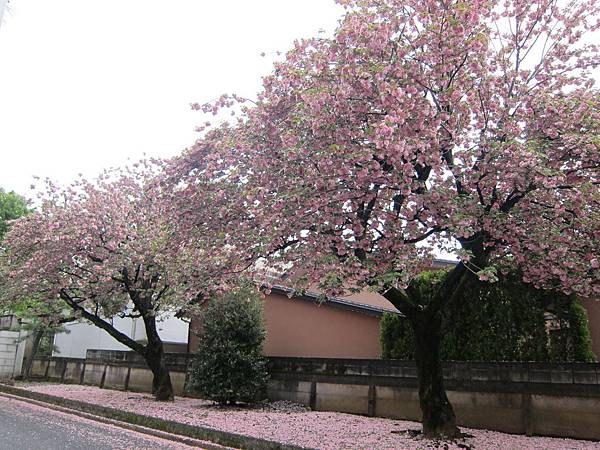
(111, 369)
(8, 350)
(11, 347)
(531, 398)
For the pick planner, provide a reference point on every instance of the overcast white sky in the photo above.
(86, 85)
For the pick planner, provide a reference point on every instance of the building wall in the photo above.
(297, 327)
(3, 4)
(83, 336)
(301, 328)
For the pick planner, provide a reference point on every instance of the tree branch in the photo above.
(100, 323)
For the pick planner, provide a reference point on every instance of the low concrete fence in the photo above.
(526, 398)
(111, 370)
(530, 398)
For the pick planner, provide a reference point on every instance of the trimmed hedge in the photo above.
(230, 366)
(504, 321)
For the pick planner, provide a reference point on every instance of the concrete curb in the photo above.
(166, 429)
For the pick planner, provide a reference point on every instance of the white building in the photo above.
(82, 336)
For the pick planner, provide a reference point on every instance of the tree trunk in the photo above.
(162, 387)
(438, 418)
(155, 358)
(37, 338)
(153, 352)
(425, 316)
(425, 311)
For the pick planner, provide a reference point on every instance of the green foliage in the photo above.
(397, 338)
(46, 346)
(229, 366)
(503, 321)
(12, 206)
(48, 329)
(572, 340)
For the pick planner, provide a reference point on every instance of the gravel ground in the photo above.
(293, 424)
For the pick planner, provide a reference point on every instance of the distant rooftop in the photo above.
(365, 302)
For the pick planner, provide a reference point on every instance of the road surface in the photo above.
(24, 426)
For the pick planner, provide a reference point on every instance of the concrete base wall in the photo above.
(553, 401)
(140, 380)
(397, 403)
(116, 377)
(293, 390)
(93, 374)
(11, 353)
(349, 398)
(121, 376)
(548, 415)
(529, 398)
(566, 416)
(490, 410)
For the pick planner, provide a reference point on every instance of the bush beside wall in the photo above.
(229, 366)
(503, 321)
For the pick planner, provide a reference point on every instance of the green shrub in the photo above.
(571, 340)
(229, 366)
(397, 338)
(503, 321)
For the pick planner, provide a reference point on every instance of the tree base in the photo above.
(163, 389)
(164, 398)
(449, 433)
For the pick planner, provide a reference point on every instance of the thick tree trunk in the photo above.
(425, 316)
(155, 358)
(438, 417)
(162, 387)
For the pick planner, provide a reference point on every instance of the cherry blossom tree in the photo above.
(423, 126)
(108, 248)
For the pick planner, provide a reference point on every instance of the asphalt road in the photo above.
(24, 426)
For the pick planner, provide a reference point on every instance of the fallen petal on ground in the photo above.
(314, 429)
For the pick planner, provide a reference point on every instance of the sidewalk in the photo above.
(276, 425)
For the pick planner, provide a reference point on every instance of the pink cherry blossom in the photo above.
(466, 127)
(111, 248)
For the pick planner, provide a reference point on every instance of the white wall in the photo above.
(170, 329)
(84, 336)
(12, 347)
